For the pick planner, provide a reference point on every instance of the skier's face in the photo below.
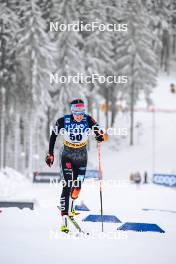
(78, 118)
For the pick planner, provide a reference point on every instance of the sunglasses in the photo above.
(79, 113)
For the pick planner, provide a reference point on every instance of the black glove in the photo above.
(99, 138)
(49, 159)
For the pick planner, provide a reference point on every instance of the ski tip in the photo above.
(86, 233)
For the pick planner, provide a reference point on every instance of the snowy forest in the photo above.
(29, 52)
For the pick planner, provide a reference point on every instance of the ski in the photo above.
(74, 223)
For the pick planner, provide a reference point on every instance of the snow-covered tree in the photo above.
(70, 59)
(162, 13)
(29, 52)
(9, 25)
(135, 56)
(98, 49)
(35, 53)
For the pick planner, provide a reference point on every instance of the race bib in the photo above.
(75, 132)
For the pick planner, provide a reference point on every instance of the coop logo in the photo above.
(165, 179)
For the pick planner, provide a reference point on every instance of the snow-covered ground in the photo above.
(28, 236)
(33, 236)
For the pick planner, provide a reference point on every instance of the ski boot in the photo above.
(73, 212)
(64, 229)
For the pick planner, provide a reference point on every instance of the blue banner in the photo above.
(165, 179)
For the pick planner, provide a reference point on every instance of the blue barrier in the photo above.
(106, 218)
(140, 227)
(81, 207)
(159, 210)
(91, 174)
(164, 179)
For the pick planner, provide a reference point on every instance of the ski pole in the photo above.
(100, 179)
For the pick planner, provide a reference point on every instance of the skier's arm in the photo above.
(50, 156)
(100, 135)
(52, 143)
(59, 124)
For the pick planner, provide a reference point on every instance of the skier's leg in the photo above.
(66, 166)
(64, 227)
(73, 164)
(71, 210)
(79, 171)
(71, 206)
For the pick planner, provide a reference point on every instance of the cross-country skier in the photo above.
(73, 156)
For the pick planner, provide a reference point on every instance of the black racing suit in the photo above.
(73, 162)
